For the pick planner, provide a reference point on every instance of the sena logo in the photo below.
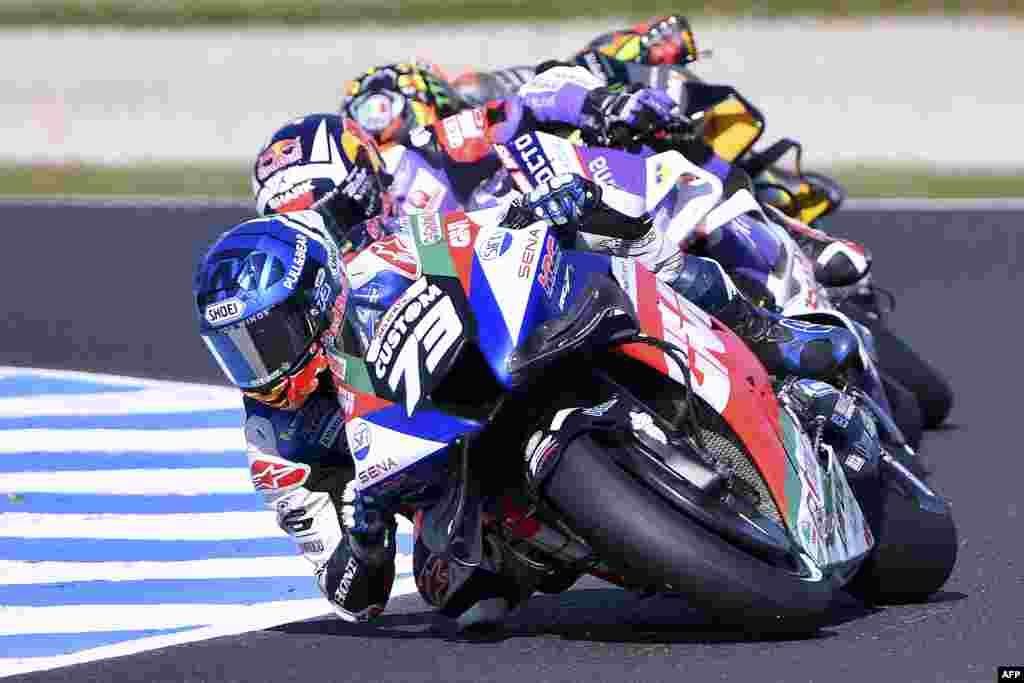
(267, 475)
(529, 254)
(377, 470)
(224, 312)
(428, 324)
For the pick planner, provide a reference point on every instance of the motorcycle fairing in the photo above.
(830, 524)
(732, 381)
(536, 157)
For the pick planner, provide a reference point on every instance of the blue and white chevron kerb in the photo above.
(128, 522)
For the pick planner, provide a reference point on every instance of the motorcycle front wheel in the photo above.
(652, 544)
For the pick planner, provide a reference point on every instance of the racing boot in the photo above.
(786, 346)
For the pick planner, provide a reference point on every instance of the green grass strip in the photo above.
(191, 13)
(227, 180)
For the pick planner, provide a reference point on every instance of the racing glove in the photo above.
(366, 523)
(587, 216)
(635, 109)
(565, 200)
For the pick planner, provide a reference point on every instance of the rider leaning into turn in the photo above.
(273, 297)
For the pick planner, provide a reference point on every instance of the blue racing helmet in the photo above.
(266, 292)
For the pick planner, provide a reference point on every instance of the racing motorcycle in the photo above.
(784, 273)
(658, 454)
(812, 197)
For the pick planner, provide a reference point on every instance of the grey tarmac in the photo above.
(106, 289)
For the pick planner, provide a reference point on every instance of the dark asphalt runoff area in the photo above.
(107, 289)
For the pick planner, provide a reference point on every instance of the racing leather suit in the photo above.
(300, 461)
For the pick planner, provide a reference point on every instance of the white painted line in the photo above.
(156, 396)
(232, 620)
(29, 573)
(115, 380)
(214, 440)
(115, 617)
(192, 481)
(143, 402)
(200, 526)
(84, 201)
(25, 573)
(178, 526)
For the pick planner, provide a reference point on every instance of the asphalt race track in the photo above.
(107, 289)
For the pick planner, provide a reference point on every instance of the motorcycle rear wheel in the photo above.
(650, 543)
(914, 556)
(933, 392)
(906, 410)
(896, 358)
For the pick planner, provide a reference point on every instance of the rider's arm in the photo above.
(595, 218)
(573, 97)
(287, 456)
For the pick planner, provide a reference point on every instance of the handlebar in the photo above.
(650, 131)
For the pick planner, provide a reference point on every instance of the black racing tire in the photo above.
(650, 543)
(914, 556)
(895, 358)
(905, 410)
(934, 393)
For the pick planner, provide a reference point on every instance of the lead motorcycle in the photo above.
(658, 453)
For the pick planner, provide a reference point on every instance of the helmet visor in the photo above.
(379, 112)
(260, 350)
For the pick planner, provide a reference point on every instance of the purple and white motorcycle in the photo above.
(692, 208)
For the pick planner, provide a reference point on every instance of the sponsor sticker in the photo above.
(348, 402)
(297, 197)
(459, 233)
(494, 246)
(529, 255)
(298, 261)
(359, 439)
(426, 193)
(277, 156)
(549, 266)
(416, 335)
(268, 475)
(377, 470)
(563, 298)
(843, 410)
(598, 167)
(429, 229)
(224, 312)
(453, 132)
(334, 425)
(420, 137)
(396, 252)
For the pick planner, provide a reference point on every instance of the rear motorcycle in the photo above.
(687, 200)
(657, 453)
(811, 198)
